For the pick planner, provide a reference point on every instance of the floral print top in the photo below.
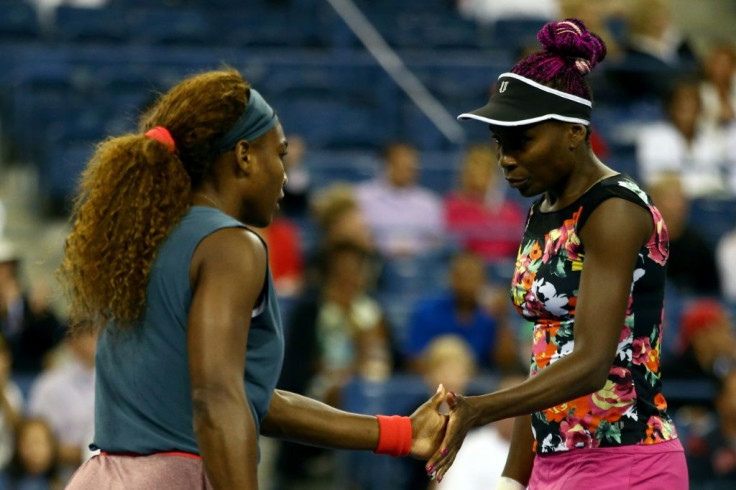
(630, 408)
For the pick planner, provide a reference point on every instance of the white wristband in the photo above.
(506, 483)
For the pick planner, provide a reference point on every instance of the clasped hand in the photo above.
(438, 437)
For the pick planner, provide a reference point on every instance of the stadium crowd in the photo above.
(392, 252)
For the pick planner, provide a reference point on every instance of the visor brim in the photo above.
(500, 114)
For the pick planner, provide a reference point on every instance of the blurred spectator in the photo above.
(340, 220)
(34, 463)
(488, 11)
(655, 51)
(285, 255)
(480, 462)
(707, 343)
(458, 311)
(2, 219)
(478, 212)
(336, 333)
(691, 267)
(447, 360)
(405, 219)
(682, 144)
(711, 455)
(726, 262)
(11, 406)
(27, 322)
(295, 203)
(64, 396)
(718, 88)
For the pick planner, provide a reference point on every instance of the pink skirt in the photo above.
(163, 471)
(641, 467)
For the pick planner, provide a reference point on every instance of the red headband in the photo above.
(162, 135)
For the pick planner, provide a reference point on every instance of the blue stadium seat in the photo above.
(416, 275)
(420, 30)
(263, 29)
(355, 76)
(439, 170)
(156, 4)
(458, 79)
(623, 159)
(60, 170)
(436, 7)
(39, 88)
(89, 25)
(168, 27)
(713, 217)
(517, 33)
(327, 122)
(416, 127)
(137, 87)
(328, 167)
(405, 281)
(18, 22)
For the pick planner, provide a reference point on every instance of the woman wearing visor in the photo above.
(589, 275)
(161, 262)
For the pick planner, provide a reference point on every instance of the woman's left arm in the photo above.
(613, 237)
(301, 419)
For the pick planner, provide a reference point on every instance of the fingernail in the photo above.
(439, 480)
(444, 452)
(430, 469)
(439, 388)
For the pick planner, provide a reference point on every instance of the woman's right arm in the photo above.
(521, 457)
(227, 275)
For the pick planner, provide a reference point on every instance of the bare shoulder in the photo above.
(230, 251)
(618, 222)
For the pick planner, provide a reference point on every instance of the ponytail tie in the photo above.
(583, 66)
(162, 135)
(568, 27)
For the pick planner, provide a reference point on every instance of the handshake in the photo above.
(437, 437)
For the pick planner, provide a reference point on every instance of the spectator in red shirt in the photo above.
(479, 214)
(285, 255)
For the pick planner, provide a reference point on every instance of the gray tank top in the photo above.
(143, 399)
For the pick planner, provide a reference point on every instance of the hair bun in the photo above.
(570, 39)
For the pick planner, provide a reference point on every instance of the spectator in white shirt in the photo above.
(726, 262)
(64, 397)
(488, 11)
(683, 145)
(2, 218)
(405, 219)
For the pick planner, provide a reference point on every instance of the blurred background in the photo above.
(393, 251)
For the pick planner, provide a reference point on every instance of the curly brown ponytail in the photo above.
(133, 192)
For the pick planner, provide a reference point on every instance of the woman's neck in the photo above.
(583, 177)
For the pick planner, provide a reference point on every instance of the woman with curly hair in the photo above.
(161, 262)
(590, 276)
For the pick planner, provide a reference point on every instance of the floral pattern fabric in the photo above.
(630, 408)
